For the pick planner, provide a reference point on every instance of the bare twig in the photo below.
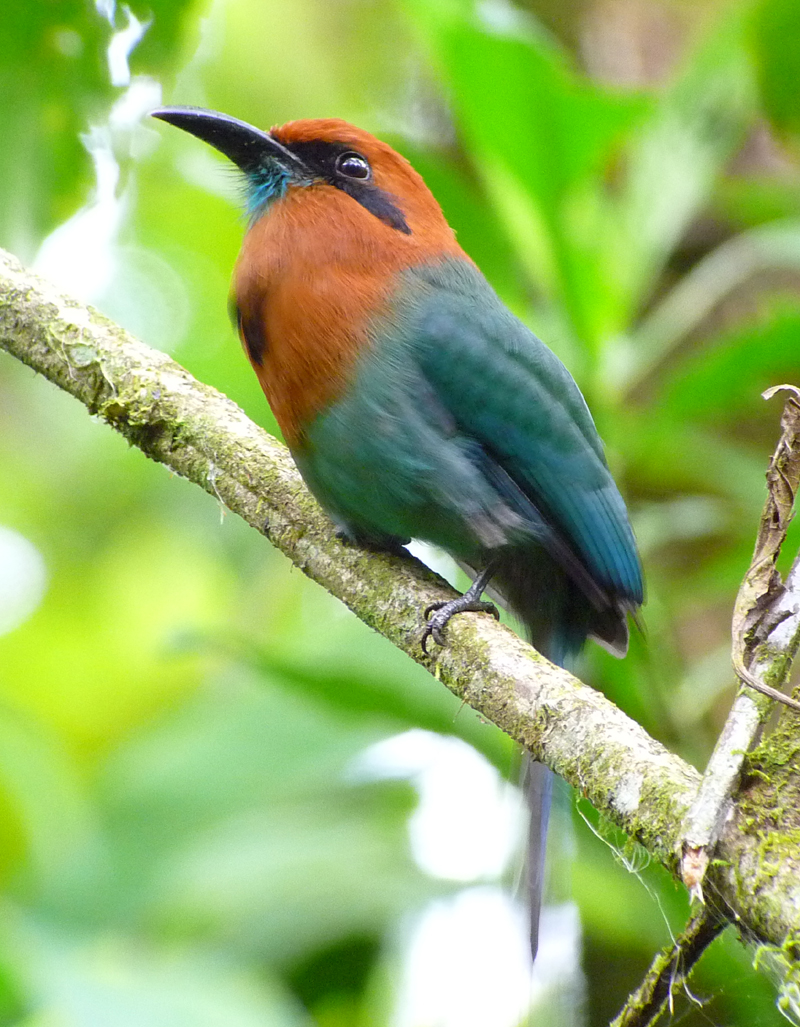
(754, 612)
(765, 629)
(669, 971)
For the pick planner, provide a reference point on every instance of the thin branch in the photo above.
(200, 434)
(703, 824)
(669, 972)
(766, 634)
(753, 618)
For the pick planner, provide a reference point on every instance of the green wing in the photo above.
(506, 390)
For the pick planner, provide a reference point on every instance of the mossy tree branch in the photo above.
(200, 434)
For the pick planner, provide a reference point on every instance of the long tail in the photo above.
(557, 622)
(537, 783)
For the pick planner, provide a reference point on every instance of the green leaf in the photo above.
(54, 81)
(734, 265)
(775, 30)
(542, 138)
(125, 982)
(241, 817)
(722, 384)
(42, 798)
(676, 157)
(402, 695)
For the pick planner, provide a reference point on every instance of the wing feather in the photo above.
(504, 388)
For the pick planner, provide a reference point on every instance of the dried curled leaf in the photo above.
(762, 588)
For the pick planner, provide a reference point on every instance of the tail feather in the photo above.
(537, 784)
(558, 619)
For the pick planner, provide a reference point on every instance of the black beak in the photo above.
(249, 148)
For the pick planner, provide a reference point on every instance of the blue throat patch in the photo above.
(263, 187)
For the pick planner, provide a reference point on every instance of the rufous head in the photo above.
(324, 154)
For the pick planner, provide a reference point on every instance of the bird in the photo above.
(414, 403)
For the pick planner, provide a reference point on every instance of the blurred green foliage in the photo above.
(182, 838)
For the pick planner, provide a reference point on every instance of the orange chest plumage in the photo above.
(314, 274)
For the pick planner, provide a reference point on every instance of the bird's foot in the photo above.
(438, 614)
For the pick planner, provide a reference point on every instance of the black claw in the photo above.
(438, 615)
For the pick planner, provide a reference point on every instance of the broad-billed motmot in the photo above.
(414, 403)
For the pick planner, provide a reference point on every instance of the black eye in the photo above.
(353, 165)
